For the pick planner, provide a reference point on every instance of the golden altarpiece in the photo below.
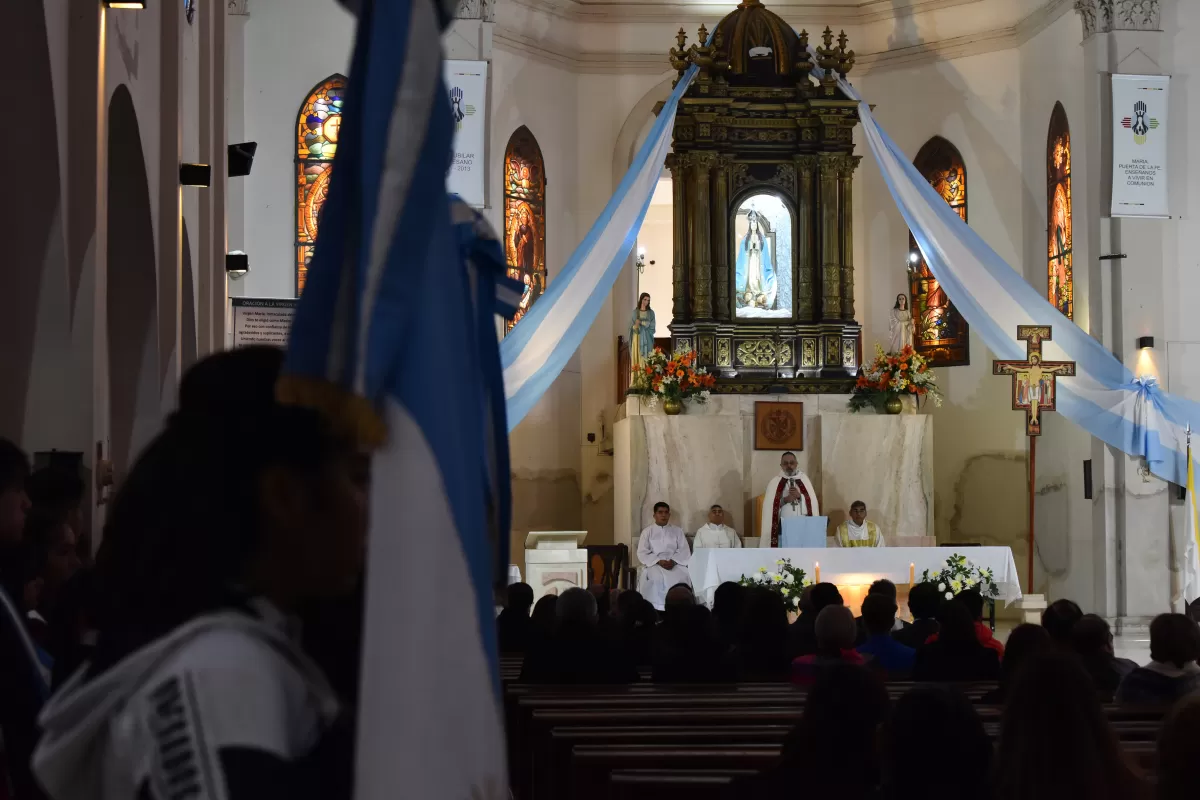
(762, 168)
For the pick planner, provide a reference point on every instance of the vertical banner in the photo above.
(1140, 145)
(466, 81)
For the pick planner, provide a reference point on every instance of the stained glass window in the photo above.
(317, 127)
(1060, 288)
(940, 332)
(525, 218)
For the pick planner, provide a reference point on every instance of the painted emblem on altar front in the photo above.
(762, 284)
(778, 426)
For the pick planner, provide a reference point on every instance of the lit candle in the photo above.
(912, 573)
(817, 569)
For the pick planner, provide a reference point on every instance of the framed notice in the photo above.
(1139, 186)
(262, 320)
(778, 426)
(466, 81)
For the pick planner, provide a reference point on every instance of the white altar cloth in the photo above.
(710, 567)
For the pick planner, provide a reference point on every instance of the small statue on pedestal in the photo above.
(900, 328)
(641, 339)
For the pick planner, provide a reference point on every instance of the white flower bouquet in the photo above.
(786, 580)
(958, 575)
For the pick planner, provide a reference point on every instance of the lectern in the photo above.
(555, 561)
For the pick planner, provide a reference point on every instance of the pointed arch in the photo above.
(317, 126)
(941, 334)
(525, 217)
(1060, 283)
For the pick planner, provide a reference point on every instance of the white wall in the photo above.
(657, 236)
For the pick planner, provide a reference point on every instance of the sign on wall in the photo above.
(466, 81)
(1140, 145)
(262, 320)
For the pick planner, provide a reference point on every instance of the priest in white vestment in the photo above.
(664, 553)
(858, 531)
(789, 494)
(716, 533)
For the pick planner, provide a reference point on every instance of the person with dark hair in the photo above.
(1059, 620)
(888, 589)
(23, 682)
(513, 626)
(1172, 671)
(600, 592)
(760, 655)
(858, 531)
(58, 492)
(887, 654)
(1093, 643)
(931, 718)
(51, 558)
(200, 568)
(956, 654)
(576, 653)
(687, 649)
(544, 618)
(729, 600)
(1055, 740)
(835, 645)
(636, 627)
(924, 600)
(972, 600)
(1025, 642)
(802, 635)
(834, 750)
(1178, 744)
(663, 552)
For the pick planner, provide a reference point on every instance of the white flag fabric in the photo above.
(1191, 557)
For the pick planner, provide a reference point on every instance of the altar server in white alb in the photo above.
(716, 533)
(789, 494)
(663, 551)
(858, 531)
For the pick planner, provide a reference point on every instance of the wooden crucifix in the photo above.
(1033, 389)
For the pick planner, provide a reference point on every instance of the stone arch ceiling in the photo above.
(633, 36)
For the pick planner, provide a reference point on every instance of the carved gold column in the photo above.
(702, 306)
(720, 237)
(678, 163)
(846, 178)
(806, 168)
(831, 237)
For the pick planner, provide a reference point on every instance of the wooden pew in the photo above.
(662, 784)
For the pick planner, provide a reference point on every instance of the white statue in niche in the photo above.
(762, 284)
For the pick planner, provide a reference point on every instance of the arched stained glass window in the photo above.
(525, 218)
(317, 127)
(1060, 285)
(940, 332)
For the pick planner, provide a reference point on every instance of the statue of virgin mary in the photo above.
(755, 275)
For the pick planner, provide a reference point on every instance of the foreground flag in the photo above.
(1191, 558)
(395, 338)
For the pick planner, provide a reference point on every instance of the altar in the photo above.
(848, 567)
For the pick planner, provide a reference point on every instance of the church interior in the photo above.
(176, 157)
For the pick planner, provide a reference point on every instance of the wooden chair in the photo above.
(606, 565)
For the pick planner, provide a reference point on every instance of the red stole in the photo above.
(775, 522)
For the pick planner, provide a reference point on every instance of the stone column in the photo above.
(701, 260)
(678, 164)
(846, 178)
(807, 253)
(720, 238)
(830, 237)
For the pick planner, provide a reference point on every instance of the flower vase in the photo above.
(893, 405)
(672, 407)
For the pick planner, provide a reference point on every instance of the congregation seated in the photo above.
(935, 721)
(1056, 742)
(729, 600)
(1025, 642)
(1093, 643)
(760, 655)
(514, 627)
(1172, 672)
(888, 589)
(923, 602)
(836, 631)
(576, 653)
(887, 654)
(1059, 620)
(956, 654)
(802, 637)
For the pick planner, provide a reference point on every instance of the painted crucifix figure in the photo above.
(1033, 385)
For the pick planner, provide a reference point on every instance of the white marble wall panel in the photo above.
(885, 461)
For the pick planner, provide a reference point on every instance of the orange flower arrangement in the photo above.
(894, 375)
(676, 377)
